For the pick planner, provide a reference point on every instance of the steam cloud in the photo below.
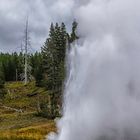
(102, 94)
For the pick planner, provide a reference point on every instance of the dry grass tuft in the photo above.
(36, 132)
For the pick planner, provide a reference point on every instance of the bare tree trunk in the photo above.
(26, 52)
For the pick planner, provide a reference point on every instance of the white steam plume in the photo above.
(102, 95)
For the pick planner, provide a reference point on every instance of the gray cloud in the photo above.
(13, 15)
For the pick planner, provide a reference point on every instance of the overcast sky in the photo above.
(13, 15)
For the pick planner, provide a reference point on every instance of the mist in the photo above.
(102, 89)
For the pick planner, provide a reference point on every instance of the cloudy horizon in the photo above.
(41, 13)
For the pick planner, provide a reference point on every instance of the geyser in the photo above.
(102, 92)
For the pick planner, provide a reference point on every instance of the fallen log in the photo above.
(12, 109)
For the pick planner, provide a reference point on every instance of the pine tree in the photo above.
(73, 36)
(37, 69)
(53, 53)
(2, 82)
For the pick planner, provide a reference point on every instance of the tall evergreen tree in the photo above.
(53, 61)
(37, 68)
(2, 79)
(2, 82)
(73, 36)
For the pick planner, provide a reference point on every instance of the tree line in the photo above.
(47, 67)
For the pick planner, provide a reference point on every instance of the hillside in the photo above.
(19, 118)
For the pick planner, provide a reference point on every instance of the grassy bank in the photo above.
(18, 113)
(34, 131)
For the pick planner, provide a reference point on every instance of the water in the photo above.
(102, 94)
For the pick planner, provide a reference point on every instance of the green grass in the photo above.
(26, 125)
(17, 96)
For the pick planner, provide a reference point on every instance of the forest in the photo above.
(69, 70)
(47, 68)
(42, 95)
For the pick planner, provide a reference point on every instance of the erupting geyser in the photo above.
(102, 93)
